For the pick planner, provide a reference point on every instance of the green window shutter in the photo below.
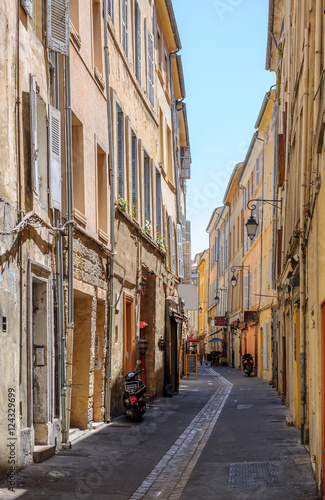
(134, 159)
(137, 30)
(151, 88)
(120, 152)
(55, 157)
(166, 235)
(172, 245)
(111, 10)
(158, 202)
(58, 26)
(33, 132)
(28, 7)
(180, 266)
(146, 178)
(125, 26)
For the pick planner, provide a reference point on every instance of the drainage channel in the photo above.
(170, 476)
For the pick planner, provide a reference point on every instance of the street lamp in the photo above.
(252, 223)
(233, 270)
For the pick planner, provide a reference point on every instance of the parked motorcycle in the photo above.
(133, 398)
(248, 364)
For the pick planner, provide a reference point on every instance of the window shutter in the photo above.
(158, 201)
(28, 6)
(138, 42)
(33, 133)
(134, 159)
(55, 157)
(166, 235)
(187, 261)
(260, 215)
(111, 10)
(146, 176)
(172, 244)
(255, 283)
(125, 26)
(216, 242)
(151, 90)
(257, 171)
(180, 268)
(120, 152)
(188, 230)
(246, 291)
(58, 26)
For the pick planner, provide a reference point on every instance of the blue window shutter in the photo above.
(55, 157)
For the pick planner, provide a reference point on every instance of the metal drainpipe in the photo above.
(173, 134)
(108, 378)
(302, 238)
(70, 215)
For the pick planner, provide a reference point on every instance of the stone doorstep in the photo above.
(43, 452)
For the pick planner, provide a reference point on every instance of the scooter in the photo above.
(133, 398)
(248, 364)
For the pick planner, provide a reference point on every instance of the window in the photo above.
(267, 134)
(255, 283)
(158, 202)
(172, 244)
(166, 235)
(78, 165)
(97, 37)
(74, 13)
(120, 151)
(110, 9)
(146, 179)
(134, 168)
(150, 65)
(125, 26)
(102, 190)
(180, 266)
(137, 48)
(253, 182)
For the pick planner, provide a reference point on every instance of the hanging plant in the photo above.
(160, 240)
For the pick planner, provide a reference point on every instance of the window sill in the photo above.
(99, 77)
(80, 218)
(103, 236)
(75, 35)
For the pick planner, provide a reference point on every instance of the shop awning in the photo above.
(192, 339)
(216, 340)
(143, 324)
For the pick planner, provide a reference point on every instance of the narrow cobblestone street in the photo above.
(224, 436)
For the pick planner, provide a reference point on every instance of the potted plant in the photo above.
(160, 240)
(123, 203)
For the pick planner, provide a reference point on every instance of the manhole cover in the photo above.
(244, 407)
(251, 475)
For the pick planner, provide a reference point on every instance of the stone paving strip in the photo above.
(170, 476)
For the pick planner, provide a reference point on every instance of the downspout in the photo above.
(173, 134)
(302, 240)
(108, 377)
(70, 215)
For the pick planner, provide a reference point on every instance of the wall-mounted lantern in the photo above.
(162, 344)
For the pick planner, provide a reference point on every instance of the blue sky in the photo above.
(223, 55)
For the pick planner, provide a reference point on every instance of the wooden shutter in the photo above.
(55, 157)
(111, 10)
(158, 201)
(146, 178)
(187, 261)
(172, 245)
(180, 268)
(58, 26)
(33, 133)
(138, 65)
(188, 230)
(151, 89)
(120, 152)
(134, 167)
(28, 6)
(125, 26)
(166, 235)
